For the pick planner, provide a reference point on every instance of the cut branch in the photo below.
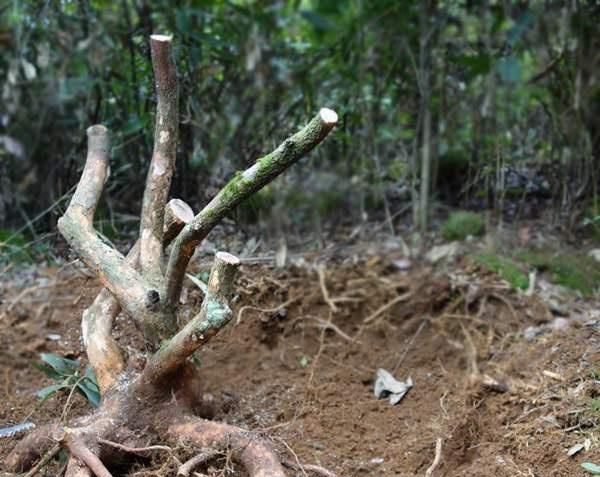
(102, 349)
(177, 215)
(213, 316)
(95, 172)
(239, 188)
(161, 168)
(76, 226)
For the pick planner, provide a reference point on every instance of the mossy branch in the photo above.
(244, 184)
(213, 316)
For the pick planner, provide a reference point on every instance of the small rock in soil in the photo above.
(442, 252)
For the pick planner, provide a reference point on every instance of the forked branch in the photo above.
(76, 225)
(239, 188)
(167, 389)
(102, 349)
(213, 316)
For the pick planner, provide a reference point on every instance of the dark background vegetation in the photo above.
(443, 105)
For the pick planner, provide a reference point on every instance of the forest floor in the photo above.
(505, 386)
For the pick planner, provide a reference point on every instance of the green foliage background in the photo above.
(513, 84)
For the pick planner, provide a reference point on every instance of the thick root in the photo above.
(31, 448)
(259, 459)
(76, 468)
(83, 452)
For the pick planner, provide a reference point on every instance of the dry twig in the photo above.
(436, 461)
(186, 468)
(324, 291)
(386, 307)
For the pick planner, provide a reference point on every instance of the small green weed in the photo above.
(505, 267)
(66, 374)
(575, 271)
(303, 361)
(461, 224)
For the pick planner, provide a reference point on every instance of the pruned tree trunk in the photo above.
(160, 398)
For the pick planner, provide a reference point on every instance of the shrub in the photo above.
(461, 224)
(573, 270)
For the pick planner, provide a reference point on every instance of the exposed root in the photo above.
(436, 460)
(386, 307)
(47, 458)
(80, 449)
(76, 468)
(315, 469)
(265, 310)
(186, 468)
(31, 448)
(135, 450)
(253, 453)
(324, 291)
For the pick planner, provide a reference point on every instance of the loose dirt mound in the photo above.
(300, 360)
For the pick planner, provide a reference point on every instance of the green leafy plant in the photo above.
(67, 376)
(461, 224)
(16, 248)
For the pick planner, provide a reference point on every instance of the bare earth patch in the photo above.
(298, 361)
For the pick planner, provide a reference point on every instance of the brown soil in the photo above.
(302, 374)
